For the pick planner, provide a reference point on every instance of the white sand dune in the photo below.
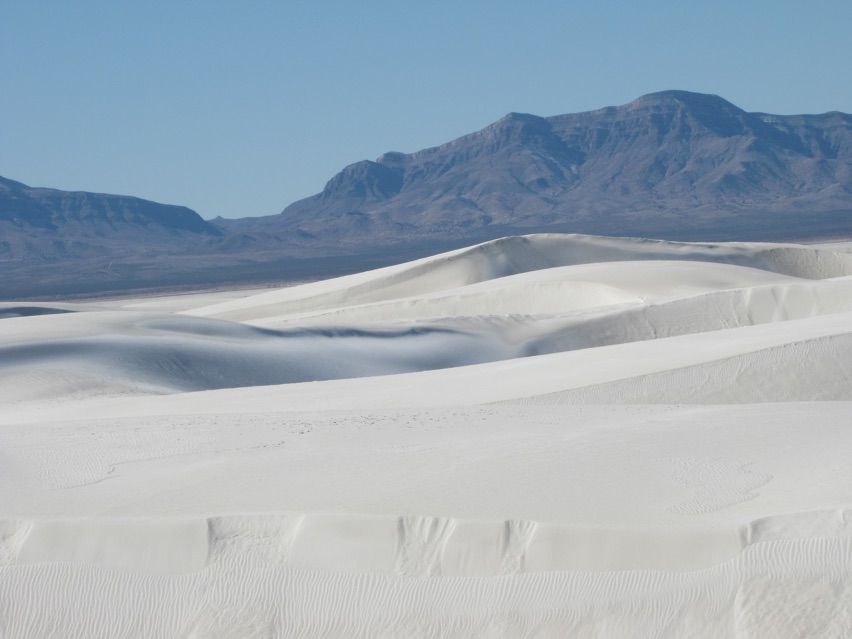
(514, 255)
(114, 354)
(545, 311)
(543, 436)
(555, 290)
(134, 353)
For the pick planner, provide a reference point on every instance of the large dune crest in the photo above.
(521, 254)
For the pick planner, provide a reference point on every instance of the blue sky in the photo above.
(239, 108)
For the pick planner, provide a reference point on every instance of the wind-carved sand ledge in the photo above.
(408, 546)
(541, 436)
(341, 575)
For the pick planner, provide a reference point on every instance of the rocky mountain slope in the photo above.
(40, 224)
(666, 162)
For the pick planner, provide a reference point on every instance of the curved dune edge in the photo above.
(712, 366)
(550, 291)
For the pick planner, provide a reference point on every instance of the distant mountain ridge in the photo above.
(671, 165)
(667, 159)
(42, 223)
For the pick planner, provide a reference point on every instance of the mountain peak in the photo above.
(364, 179)
(710, 111)
(515, 128)
(687, 99)
(514, 116)
(515, 121)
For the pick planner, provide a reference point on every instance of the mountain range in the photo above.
(672, 164)
(39, 223)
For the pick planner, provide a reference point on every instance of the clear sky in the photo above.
(239, 108)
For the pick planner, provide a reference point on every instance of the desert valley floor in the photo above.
(539, 436)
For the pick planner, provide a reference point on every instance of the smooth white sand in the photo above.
(545, 436)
